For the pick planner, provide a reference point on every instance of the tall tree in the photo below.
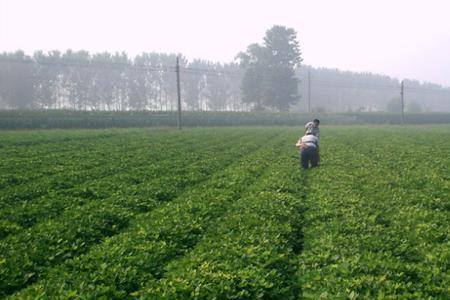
(234, 79)
(168, 79)
(17, 80)
(218, 88)
(46, 74)
(78, 78)
(137, 83)
(255, 64)
(120, 81)
(269, 79)
(194, 83)
(103, 83)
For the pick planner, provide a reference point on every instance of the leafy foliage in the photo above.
(224, 213)
(378, 217)
(269, 79)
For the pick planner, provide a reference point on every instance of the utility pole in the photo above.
(309, 91)
(178, 93)
(402, 94)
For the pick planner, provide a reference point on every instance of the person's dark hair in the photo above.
(316, 121)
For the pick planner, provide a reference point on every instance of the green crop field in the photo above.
(225, 213)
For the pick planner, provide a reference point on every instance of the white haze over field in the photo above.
(403, 39)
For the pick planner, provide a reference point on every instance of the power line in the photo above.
(439, 90)
(345, 84)
(90, 64)
(354, 86)
(218, 72)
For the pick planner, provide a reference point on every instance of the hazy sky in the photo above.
(404, 39)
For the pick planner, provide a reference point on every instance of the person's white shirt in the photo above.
(308, 140)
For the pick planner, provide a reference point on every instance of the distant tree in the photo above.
(168, 80)
(413, 107)
(234, 79)
(394, 105)
(269, 78)
(103, 82)
(4, 66)
(145, 81)
(255, 65)
(120, 64)
(46, 78)
(260, 79)
(194, 83)
(78, 78)
(17, 80)
(339, 91)
(318, 109)
(137, 84)
(218, 88)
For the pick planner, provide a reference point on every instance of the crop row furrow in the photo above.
(377, 226)
(25, 214)
(32, 157)
(82, 167)
(250, 253)
(28, 255)
(56, 137)
(124, 261)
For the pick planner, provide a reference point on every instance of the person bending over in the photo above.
(308, 145)
(313, 127)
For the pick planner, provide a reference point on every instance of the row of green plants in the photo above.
(378, 219)
(28, 255)
(76, 156)
(125, 262)
(251, 253)
(122, 119)
(228, 214)
(25, 205)
(16, 138)
(25, 162)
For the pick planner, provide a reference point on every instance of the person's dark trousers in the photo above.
(308, 155)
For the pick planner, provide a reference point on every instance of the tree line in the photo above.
(333, 90)
(268, 76)
(103, 81)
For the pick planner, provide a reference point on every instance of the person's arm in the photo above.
(301, 145)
